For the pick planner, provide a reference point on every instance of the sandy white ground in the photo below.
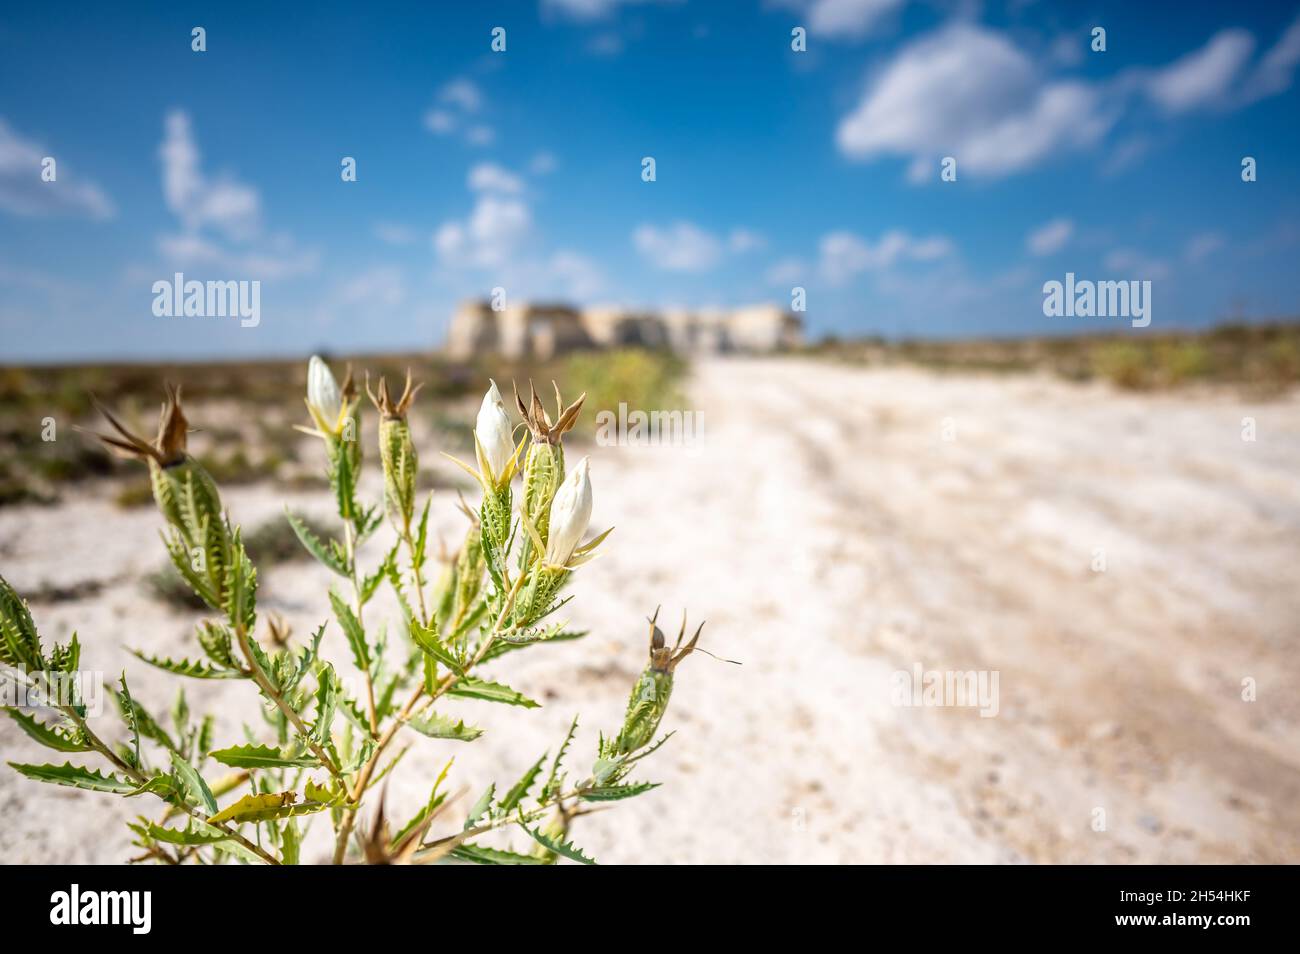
(832, 536)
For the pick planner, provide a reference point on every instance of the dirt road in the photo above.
(1126, 565)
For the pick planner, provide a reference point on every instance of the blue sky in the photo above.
(522, 169)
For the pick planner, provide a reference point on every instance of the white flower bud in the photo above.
(323, 391)
(570, 514)
(494, 432)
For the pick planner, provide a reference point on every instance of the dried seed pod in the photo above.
(186, 496)
(653, 689)
(397, 452)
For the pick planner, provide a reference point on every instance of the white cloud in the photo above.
(490, 177)
(847, 18)
(844, 255)
(787, 271)
(1202, 246)
(968, 92)
(23, 192)
(496, 227)
(1204, 76)
(230, 209)
(543, 164)
(579, 277)
(682, 247)
(463, 94)
(1135, 264)
(745, 240)
(458, 103)
(393, 233)
(440, 121)
(586, 9)
(480, 135)
(1274, 72)
(1050, 237)
(282, 260)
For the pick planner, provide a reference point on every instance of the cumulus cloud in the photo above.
(23, 192)
(220, 219)
(229, 207)
(458, 103)
(844, 255)
(968, 92)
(1203, 76)
(741, 241)
(1136, 264)
(495, 229)
(394, 233)
(586, 9)
(850, 19)
(1050, 237)
(464, 94)
(1273, 73)
(681, 247)
(490, 177)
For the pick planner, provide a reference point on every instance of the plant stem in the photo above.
(268, 689)
(350, 541)
(349, 816)
(139, 778)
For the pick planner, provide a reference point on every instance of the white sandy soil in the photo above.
(832, 536)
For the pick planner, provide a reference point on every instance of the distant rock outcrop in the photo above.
(541, 331)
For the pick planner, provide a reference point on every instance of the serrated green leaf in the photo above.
(263, 757)
(481, 807)
(352, 630)
(471, 687)
(483, 855)
(139, 720)
(555, 780)
(186, 667)
(444, 727)
(613, 793)
(520, 789)
(427, 639)
(315, 546)
(565, 848)
(75, 776)
(326, 695)
(501, 646)
(435, 801)
(198, 834)
(45, 734)
(192, 783)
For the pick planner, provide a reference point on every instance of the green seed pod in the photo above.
(653, 689)
(468, 572)
(538, 593)
(543, 474)
(190, 502)
(20, 646)
(397, 453)
(186, 495)
(495, 516)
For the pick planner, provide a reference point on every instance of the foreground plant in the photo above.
(325, 746)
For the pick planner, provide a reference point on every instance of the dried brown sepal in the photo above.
(167, 448)
(539, 422)
(663, 659)
(390, 409)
